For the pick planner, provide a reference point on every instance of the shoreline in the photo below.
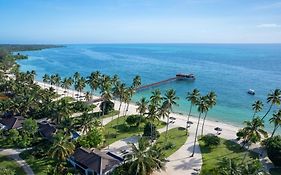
(181, 118)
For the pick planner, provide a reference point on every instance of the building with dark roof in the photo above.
(13, 122)
(47, 130)
(94, 162)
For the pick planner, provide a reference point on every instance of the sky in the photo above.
(140, 21)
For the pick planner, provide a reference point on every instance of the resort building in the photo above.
(94, 162)
(47, 130)
(13, 122)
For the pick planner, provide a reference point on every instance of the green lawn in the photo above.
(39, 165)
(114, 132)
(226, 148)
(275, 171)
(6, 162)
(176, 137)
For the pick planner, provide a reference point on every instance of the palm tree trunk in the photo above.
(167, 127)
(187, 123)
(203, 123)
(195, 138)
(274, 130)
(127, 109)
(254, 115)
(246, 152)
(267, 111)
(119, 109)
(103, 107)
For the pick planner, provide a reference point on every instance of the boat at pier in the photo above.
(185, 76)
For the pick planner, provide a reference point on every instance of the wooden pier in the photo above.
(156, 84)
(177, 77)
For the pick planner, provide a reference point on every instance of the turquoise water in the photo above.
(228, 69)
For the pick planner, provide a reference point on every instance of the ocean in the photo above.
(228, 69)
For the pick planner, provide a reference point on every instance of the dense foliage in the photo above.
(273, 148)
(150, 131)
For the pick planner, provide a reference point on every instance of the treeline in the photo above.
(6, 49)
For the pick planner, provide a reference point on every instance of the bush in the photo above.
(147, 131)
(94, 138)
(106, 107)
(134, 120)
(273, 148)
(211, 140)
(168, 145)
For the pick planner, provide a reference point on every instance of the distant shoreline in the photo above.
(27, 47)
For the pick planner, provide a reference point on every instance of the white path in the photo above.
(14, 154)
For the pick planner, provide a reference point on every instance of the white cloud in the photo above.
(271, 25)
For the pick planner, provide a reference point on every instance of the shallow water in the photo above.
(228, 69)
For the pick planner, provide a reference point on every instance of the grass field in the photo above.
(176, 137)
(115, 132)
(227, 148)
(6, 162)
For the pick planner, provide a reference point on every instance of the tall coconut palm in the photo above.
(46, 79)
(211, 100)
(257, 107)
(129, 94)
(142, 105)
(193, 98)
(170, 99)
(57, 79)
(274, 98)
(64, 83)
(86, 122)
(80, 84)
(106, 94)
(62, 148)
(144, 158)
(119, 90)
(202, 107)
(76, 76)
(276, 120)
(136, 82)
(253, 132)
(156, 98)
(93, 81)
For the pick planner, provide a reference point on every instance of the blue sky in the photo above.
(140, 21)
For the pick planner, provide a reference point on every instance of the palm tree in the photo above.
(169, 100)
(88, 96)
(211, 100)
(62, 148)
(152, 115)
(93, 81)
(273, 98)
(276, 120)
(128, 97)
(80, 85)
(76, 76)
(156, 97)
(193, 98)
(202, 107)
(253, 132)
(86, 122)
(56, 80)
(144, 159)
(142, 105)
(136, 82)
(105, 93)
(46, 79)
(257, 107)
(120, 90)
(64, 83)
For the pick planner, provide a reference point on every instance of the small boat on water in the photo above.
(185, 76)
(251, 92)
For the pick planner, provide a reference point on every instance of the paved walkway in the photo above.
(14, 154)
